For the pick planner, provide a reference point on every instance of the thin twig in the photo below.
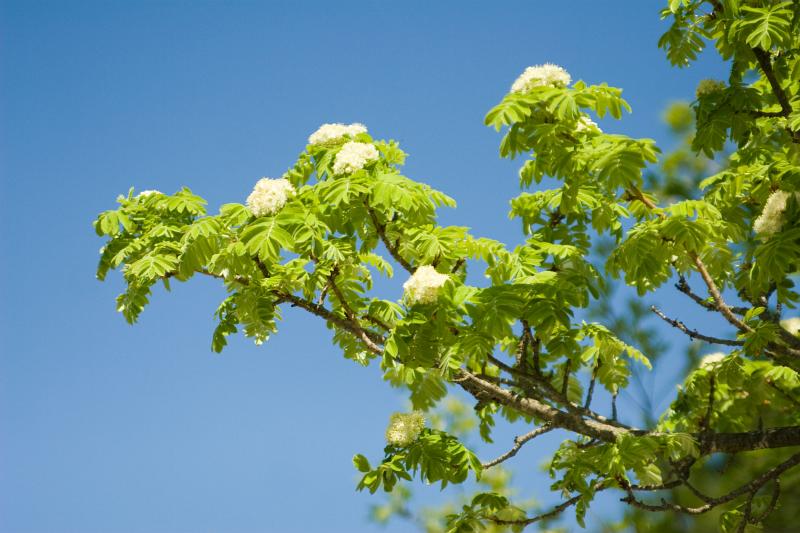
(590, 392)
(519, 441)
(393, 249)
(748, 488)
(716, 295)
(555, 511)
(693, 333)
(351, 316)
(683, 286)
(565, 382)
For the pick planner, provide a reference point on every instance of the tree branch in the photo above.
(765, 63)
(555, 511)
(381, 230)
(351, 316)
(519, 441)
(684, 287)
(721, 306)
(694, 334)
(322, 312)
(748, 488)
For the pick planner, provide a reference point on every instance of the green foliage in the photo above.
(519, 344)
(435, 456)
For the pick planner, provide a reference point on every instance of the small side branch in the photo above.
(590, 392)
(555, 511)
(519, 441)
(684, 287)
(393, 250)
(749, 488)
(765, 63)
(360, 332)
(326, 314)
(693, 333)
(721, 306)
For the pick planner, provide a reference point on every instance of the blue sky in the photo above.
(117, 429)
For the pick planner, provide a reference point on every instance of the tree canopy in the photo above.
(521, 342)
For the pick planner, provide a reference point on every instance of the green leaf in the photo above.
(265, 238)
(184, 201)
(767, 26)
(361, 463)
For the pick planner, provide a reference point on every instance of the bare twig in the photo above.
(590, 392)
(721, 306)
(684, 287)
(519, 441)
(693, 333)
(372, 339)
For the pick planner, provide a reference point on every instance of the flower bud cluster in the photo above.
(354, 156)
(792, 325)
(585, 124)
(404, 428)
(711, 360)
(541, 75)
(423, 287)
(328, 133)
(771, 219)
(269, 196)
(708, 86)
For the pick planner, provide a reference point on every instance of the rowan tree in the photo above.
(520, 343)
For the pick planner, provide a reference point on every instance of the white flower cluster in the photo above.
(423, 287)
(588, 125)
(708, 86)
(148, 193)
(404, 428)
(771, 219)
(333, 132)
(539, 75)
(269, 195)
(711, 360)
(792, 325)
(353, 156)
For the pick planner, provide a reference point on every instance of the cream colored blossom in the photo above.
(404, 428)
(711, 360)
(709, 86)
(423, 287)
(353, 156)
(792, 325)
(269, 195)
(334, 132)
(148, 192)
(771, 219)
(586, 124)
(539, 75)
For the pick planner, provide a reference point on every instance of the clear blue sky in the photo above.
(106, 428)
